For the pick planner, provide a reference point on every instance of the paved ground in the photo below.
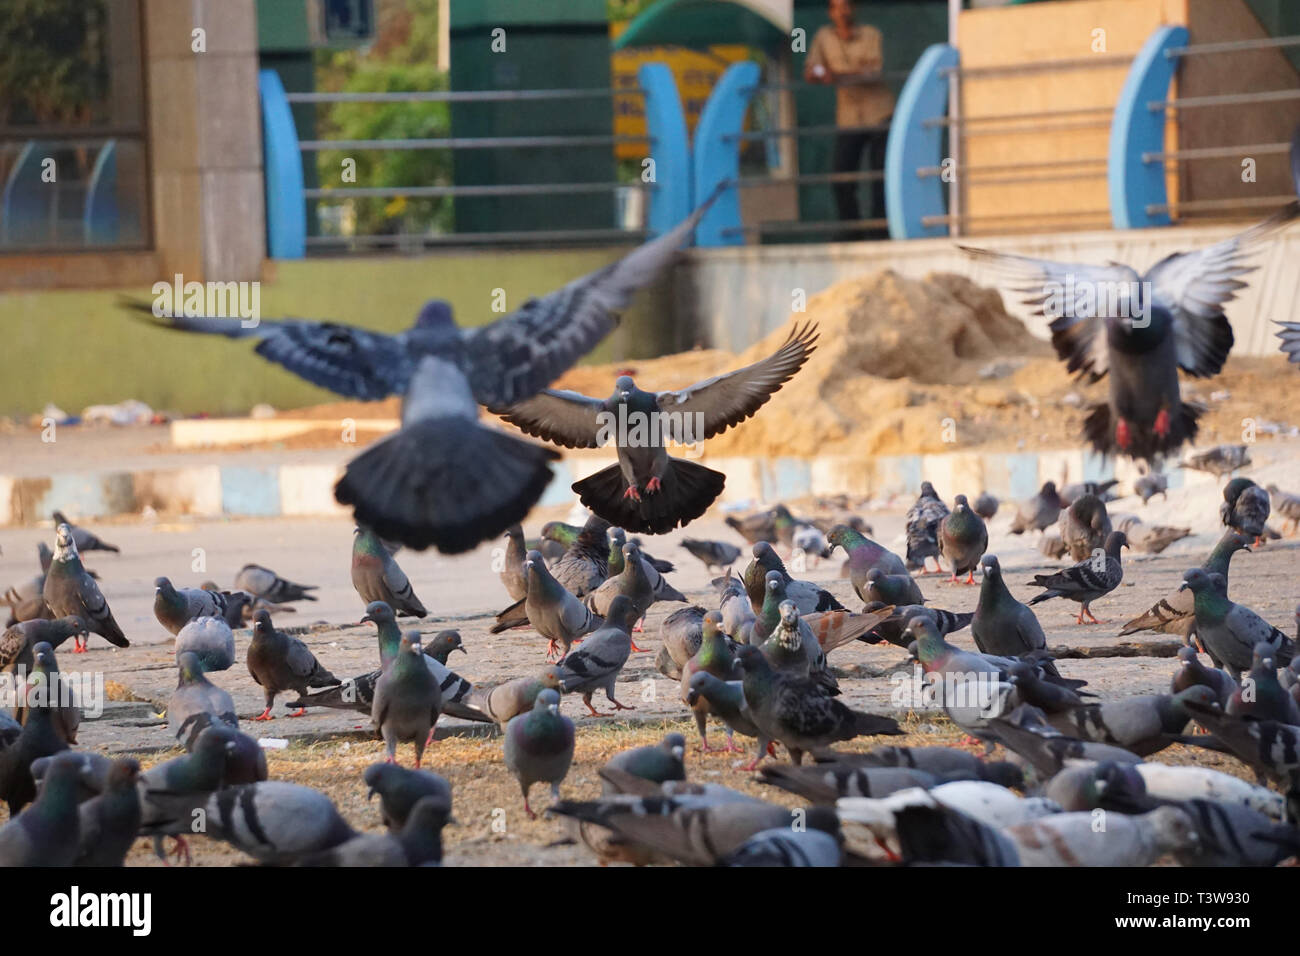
(330, 748)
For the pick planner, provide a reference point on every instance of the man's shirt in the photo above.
(856, 104)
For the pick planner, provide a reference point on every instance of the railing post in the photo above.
(1137, 129)
(913, 144)
(717, 154)
(671, 197)
(286, 207)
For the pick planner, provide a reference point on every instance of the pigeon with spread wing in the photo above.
(443, 479)
(647, 491)
(1140, 329)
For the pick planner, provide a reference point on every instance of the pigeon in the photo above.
(401, 788)
(1085, 526)
(970, 687)
(734, 606)
(1142, 724)
(896, 589)
(825, 783)
(892, 628)
(1074, 839)
(922, 528)
(1245, 508)
(808, 597)
(1098, 489)
(1193, 673)
(633, 584)
(584, 566)
(658, 564)
(83, 539)
(176, 607)
(1038, 513)
(377, 577)
(170, 790)
(714, 657)
(411, 487)
(755, 527)
(783, 847)
(715, 554)
(1110, 786)
(539, 746)
(18, 640)
(197, 703)
(647, 490)
(512, 563)
(269, 586)
(1002, 625)
(1026, 733)
(43, 730)
(1287, 505)
(239, 604)
(818, 633)
(1149, 539)
(1086, 581)
(442, 646)
(1289, 333)
(598, 662)
(1219, 461)
(1236, 836)
(553, 612)
(69, 589)
(110, 822)
(680, 634)
(1166, 782)
(1051, 546)
(1267, 747)
(1176, 613)
(986, 506)
(278, 662)
(810, 541)
(657, 763)
(963, 539)
(726, 701)
(211, 640)
(1152, 484)
(274, 822)
(514, 697)
(864, 554)
(797, 712)
(1139, 330)
(48, 833)
(1260, 695)
(418, 843)
(1228, 632)
(791, 648)
(407, 700)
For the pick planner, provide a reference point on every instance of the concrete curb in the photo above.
(305, 490)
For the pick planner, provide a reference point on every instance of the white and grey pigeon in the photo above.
(1140, 329)
(442, 479)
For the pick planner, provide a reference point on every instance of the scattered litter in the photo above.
(129, 412)
(262, 410)
(272, 743)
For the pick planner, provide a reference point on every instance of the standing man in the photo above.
(851, 57)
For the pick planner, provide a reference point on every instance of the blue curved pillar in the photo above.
(100, 217)
(672, 197)
(717, 154)
(913, 144)
(1136, 129)
(286, 208)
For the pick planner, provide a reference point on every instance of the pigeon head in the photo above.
(674, 744)
(411, 643)
(378, 612)
(751, 659)
(436, 316)
(1233, 489)
(624, 387)
(1195, 580)
(533, 562)
(550, 677)
(711, 623)
(64, 546)
(43, 653)
(1174, 829)
(773, 583)
(215, 741)
(701, 681)
(122, 773)
(1114, 541)
(631, 552)
(514, 532)
(1197, 694)
(843, 536)
(960, 503)
(188, 668)
(262, 622)
(1048, 490)
(450, 640)
(874, 575)
(927, 490)
(548, 700)
(992, 568)
(1263, 655)
(163, 584)
(1187, 655)
(63, 628)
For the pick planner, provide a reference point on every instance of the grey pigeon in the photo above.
(1085, 525)
(1086, 581)
(754, 528)
(48, 833)
(1261, 695)
(656, 762)
(1149, 538)
(442, 646)
(266, 584)
(922, 528)
(807, 596)
(1176, 612)
(896, 589)
(443, 479)
(1073, 839)
(647, 490)
(18, 640)
(1269, 748)
(175, 607)
(1228, 631)
(784, 847)
(1219, 461)
(596, 664)
(1151, 484)
(401, 788)
(1287, 505)
(797, 712)
(1003, 625)
(1231, 835)
(85, 540)
(734, 606)
(514, 697)
(963, 539)
(716, 555)
(1098, 489)
(555, 613)
(1039, 512)
(539, 746)
(892, 628)
(407, 700)
(640, 583)
(110, 822)
(417, 843)
(278, 662)
(69, 589)
(1142, 724)
(726, 701)
(1026, 733)
(512, 563)
(985, 505)
(197, 702)
(1245, 508)
(377, 577)
(40, 736)
(1193, 672)
(211, 640)
(1138, 330)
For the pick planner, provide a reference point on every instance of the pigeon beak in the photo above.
(554, 708)
(692, 697)
(678, 752)
(1184, 586)
(370, 794)
(1246, 549)
(366, 618)
(458, 647)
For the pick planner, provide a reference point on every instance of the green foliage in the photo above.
(53, 66)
